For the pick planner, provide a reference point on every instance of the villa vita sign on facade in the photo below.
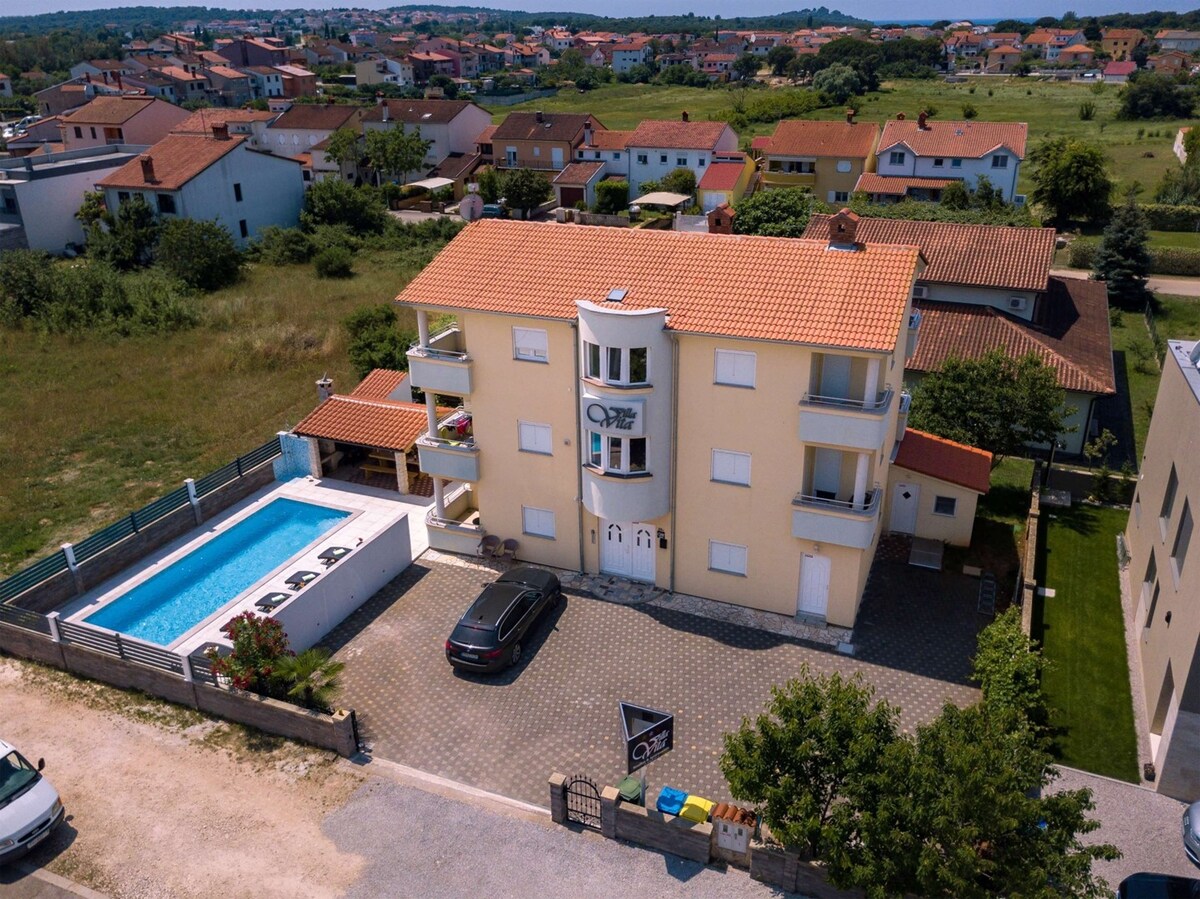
(623, 418)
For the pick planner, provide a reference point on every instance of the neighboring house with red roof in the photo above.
(934, 485)
(251, 51)
(215, 177)
(544, 141)
(989, 286)
(1002, 59)
(930, 148)
(608, 147)
(659, 146)
(827, 158)
(121, 119)
(1118, 72)
(1120, 42)
(249, 123)
(305, 125)
(451, 126)
(727, 179)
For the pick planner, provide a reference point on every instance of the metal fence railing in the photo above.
(96, 543)
(30, 621)
(114, 644)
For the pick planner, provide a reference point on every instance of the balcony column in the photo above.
(860, 479)
(423, 327)
(439, 489)
(871, 388)
(439, 497)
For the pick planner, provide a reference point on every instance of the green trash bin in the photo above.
(631, 790)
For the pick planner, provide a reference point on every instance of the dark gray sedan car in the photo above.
(489, 637)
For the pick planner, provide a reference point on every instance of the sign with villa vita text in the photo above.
(648, 734)
(619, 417)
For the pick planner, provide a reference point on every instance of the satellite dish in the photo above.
(471, 207)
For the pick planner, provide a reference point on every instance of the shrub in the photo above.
(612, 197)
(258, 646)
(200, 253)
(27, 284)
(1082, 254)
(375, 339)
(334, 202)
(281, 246)
(334, 262)
(1163, 260)
(1087, 110)
(1163, 217)
(969, 111)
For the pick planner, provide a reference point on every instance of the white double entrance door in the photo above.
(627, 549)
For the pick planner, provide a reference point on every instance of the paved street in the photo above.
(1176, 286)
(558, 709)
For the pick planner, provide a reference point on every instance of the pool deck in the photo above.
(374, 513)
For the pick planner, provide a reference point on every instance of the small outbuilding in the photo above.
(933, 487)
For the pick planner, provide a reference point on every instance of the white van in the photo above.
(29, 806)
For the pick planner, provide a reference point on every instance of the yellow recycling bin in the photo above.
(697, 808)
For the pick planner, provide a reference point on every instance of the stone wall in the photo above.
(49, 594)
(334, 732)
(135, 547)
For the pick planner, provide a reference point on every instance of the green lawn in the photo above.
(96, 427)
(1187, 239)
(1050, 108)
(1082, 633)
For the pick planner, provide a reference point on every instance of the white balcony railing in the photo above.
(876, 406)
(448, 454)
(442, 365)
(843, 421)
(840, 522)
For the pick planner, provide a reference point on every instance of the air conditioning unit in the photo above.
(1019, 200)
(1017, 304)
(920, 292)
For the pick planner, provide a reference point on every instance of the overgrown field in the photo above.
(96, 427)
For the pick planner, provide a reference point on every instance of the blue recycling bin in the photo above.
(670, 801)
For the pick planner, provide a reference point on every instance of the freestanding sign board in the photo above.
(648, 734)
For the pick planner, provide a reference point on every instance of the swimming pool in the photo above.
(171, 603)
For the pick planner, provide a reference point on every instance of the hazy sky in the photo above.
(867, 9)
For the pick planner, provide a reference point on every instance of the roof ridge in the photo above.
(939, 438)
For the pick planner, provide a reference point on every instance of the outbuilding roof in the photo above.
(946, 460)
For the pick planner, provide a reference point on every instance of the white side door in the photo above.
(905, 499)
(642, 553)
(556, 157)
(814, 585)
(614, 548)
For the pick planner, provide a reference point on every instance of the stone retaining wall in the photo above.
(334, 732)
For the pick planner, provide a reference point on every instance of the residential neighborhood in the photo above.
(718, 449)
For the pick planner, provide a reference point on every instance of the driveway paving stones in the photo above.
(557, 711)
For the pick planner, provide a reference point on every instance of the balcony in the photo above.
(459, 530)
(452, 452)
(837, 521)
(843, 421)
(789, 179)
(914, 332)
(443, 366)
(902, 413)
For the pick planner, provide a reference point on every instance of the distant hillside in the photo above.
(153, 19)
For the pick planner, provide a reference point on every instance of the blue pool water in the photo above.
(174, 601)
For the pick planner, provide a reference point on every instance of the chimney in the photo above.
(849, 116)
(378, 98)
(921, 117)
(148, 169)
(899, 117)
(720, 220)
(105, 73)
(538, 117)
(220, 131)
(324, 388)
(386, 112)
(843, 228)
(118, 77)
(87, 76)
(587, 131)
(684, 115)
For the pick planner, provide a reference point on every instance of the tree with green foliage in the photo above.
(774, 213)
(375, 339)
(311, 678)
(996, 402)
(198, 252)
(127, 240)
(838, 83)
(1154, 96)
(345, 147)
(446, 83)
(92, 209)
(281, 246)
(488, 180)
(779, 57)
(394, 152)
(1071, 180)
(745, 67)
(27, 284)
(1123, 258)
(334, 262)
(525, 190)
(332, 201)
(1008, 668)
(679, 181)
(818, 739)
(612, 197)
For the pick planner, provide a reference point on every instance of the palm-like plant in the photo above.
(311, 677)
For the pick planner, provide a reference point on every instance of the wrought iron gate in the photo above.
(583, 801)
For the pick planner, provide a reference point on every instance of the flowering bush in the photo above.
(259, 644)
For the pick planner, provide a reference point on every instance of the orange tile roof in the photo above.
(111, 110)
(382, 384)
(945, 460)
(177, 159)
(722, 176)
(797, 138)
(608, 140)
(1071, 335)
(976, 255)
(485, 136)
(897, 185)
(677, 135)
(375, 423)
(202, 120)
(577, 174)
(970, 140)
(764, 288)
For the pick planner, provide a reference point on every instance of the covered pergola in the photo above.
(431, 184)
(662, 198)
